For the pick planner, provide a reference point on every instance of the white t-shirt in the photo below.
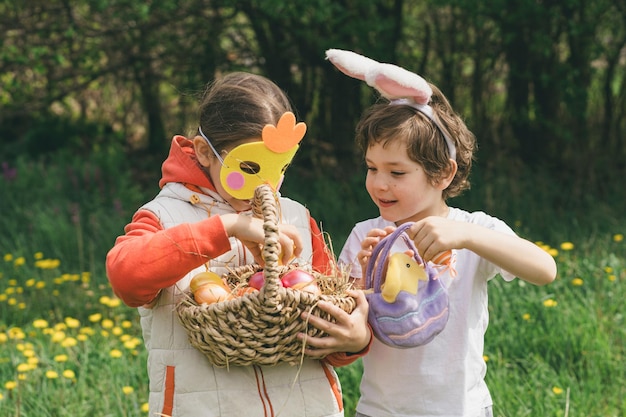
(446, 376)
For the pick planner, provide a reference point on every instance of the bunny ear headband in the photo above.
(400, 86)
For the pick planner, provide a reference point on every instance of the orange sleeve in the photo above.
(339, 359)
(322, 258)
(148, 258)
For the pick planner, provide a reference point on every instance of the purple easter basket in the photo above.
(410, 320)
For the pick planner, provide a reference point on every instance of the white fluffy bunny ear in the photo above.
(391, 81)
(351, 63)
(394, 82)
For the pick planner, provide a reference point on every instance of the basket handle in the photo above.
(265, 201)
(374, 270)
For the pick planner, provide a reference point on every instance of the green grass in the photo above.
(68, 348)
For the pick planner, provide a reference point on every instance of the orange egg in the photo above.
(212, 293)
(245, 290)
(204, 278)
(443, 258)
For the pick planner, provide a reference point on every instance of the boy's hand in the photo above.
(433, 235)
(367, 245)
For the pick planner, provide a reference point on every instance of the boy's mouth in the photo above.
(386, 203)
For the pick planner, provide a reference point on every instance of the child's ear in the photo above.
(448, 176)
(203, 152)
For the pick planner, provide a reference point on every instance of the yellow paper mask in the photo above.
(251, 164)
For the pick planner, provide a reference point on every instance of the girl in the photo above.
(418, 153)
(202, 219)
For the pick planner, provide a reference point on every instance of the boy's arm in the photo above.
(513, 254)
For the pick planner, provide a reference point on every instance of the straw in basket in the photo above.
(260, 327)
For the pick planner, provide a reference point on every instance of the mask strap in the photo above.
(427, 111)
(217, 155)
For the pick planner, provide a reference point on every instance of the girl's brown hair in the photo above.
(383, 123)
(237, 106)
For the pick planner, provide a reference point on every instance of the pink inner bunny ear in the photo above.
(396, 82)
(350, 63)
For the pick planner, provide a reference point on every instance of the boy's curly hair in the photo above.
(382, 123)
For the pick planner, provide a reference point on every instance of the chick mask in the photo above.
(264, 162)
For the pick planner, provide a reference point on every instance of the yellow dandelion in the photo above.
(553, 252)
(557, 390)
(72, 323)
(33, 361)
(22, 377)
(40, 324)
(10, 385)
(115, 353)
(127, 324)
(145, 407)
(618, 237)
(608, 269)
(132, 343)
(117, 331)
(567, 246)
(82, 337)
(60, 326)
(28, 353)
(38, 255)
(87, 331)
(19, 261)
(94, 318)
(3, 338)
(24, 367)
(104, 299)
(115, 302)
(107, 323)
(12, 282)
(58, 336)
(60, 358)
(8, 257)
(128, 390)
(40, 284)
(16, 333)
(69, 342)
(577, 282)
(486, 358)
(30, 282)
(611, 277)
(52, 375)
(69, 374)
(550, 303)
(1, 397)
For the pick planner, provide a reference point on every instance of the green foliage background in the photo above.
(551, 351)
(91, 92)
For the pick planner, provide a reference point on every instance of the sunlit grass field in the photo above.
(68, 347)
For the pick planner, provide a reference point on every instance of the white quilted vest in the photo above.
(182, 381)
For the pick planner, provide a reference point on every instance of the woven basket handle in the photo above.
(265, 200)
(376, 263)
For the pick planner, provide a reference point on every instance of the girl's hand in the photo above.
(350, 332)
(249, 230)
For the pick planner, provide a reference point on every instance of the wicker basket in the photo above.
(260, 327)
